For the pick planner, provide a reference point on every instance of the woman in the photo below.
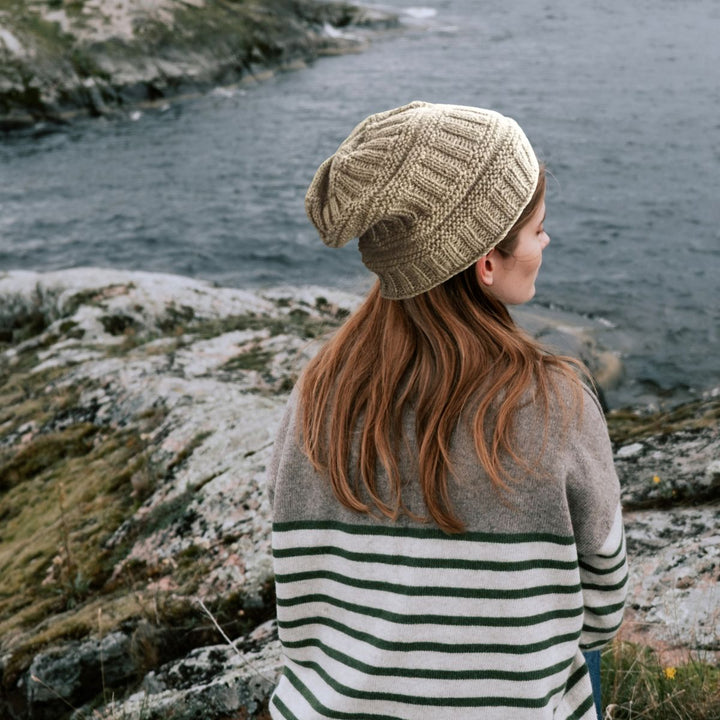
(447, 534)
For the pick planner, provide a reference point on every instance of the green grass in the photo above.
(637, 685)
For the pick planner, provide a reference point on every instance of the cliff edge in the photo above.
(63, 57)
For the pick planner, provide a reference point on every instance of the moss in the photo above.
(627, 424)
(253, 359)
(176, 318)
(165, 514)
(190, 554)
(45, 451)
(26, 401)
(48, 33)
(118, 324)
(221, 26)
(74, 8)
(230, 37)
(286, 384)
(69, 490)
(67, 326)
(296, 322)
(22, 325)
(322, 304)
(94, 296)
(39, 627)
(238, 614)
(86, 66)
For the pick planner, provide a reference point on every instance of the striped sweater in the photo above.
(384, 620)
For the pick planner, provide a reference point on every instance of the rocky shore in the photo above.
(137, 414)
(63, 57)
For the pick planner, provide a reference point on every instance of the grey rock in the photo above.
(667, 469)
(674, 594)
(72, 673)
(214, 681)
(627, 451)
(712, 473)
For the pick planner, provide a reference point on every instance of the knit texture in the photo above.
(428, 189)
(399, 621)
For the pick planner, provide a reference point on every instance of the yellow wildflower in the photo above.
(656, 479)
(670, 673)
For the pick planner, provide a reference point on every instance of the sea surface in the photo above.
(620, 99)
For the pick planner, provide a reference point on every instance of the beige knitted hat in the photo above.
(428, 189)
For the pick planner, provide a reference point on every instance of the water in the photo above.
(620, 99)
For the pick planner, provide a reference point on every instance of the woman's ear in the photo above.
(485, 268)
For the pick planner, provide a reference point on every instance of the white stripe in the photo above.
(447, 661)
(615, 536)
(428, 577)
(451, 547)
(436, 633)
(577, 695)
(418, 605)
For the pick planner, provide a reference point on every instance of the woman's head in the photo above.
(510, 269)
(448, 204)
(428, 189)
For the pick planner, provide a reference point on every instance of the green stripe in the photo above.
(602, 631)
(598, 571)
(428, 591)
(594, 645)
(432, 701)
(421, 533)
(606, 609)
(430, 674)
(582, 708)
(424, 645)
(425, 562)
(605, 588)
(588, 702)
(321, 709)
(576, 677)
(450, 620)
(620, 546)
(283, 708)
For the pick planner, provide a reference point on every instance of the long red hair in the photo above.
(391, 356)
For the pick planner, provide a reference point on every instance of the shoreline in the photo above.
(63, 60)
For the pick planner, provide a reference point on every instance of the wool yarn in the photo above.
(427, 188)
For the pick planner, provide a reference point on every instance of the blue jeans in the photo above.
(592, 660)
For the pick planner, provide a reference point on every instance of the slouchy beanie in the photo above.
(428, 189)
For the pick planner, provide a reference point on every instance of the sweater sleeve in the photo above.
(604, 577)
(593, 493)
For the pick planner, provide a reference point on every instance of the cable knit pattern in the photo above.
(428, 189)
